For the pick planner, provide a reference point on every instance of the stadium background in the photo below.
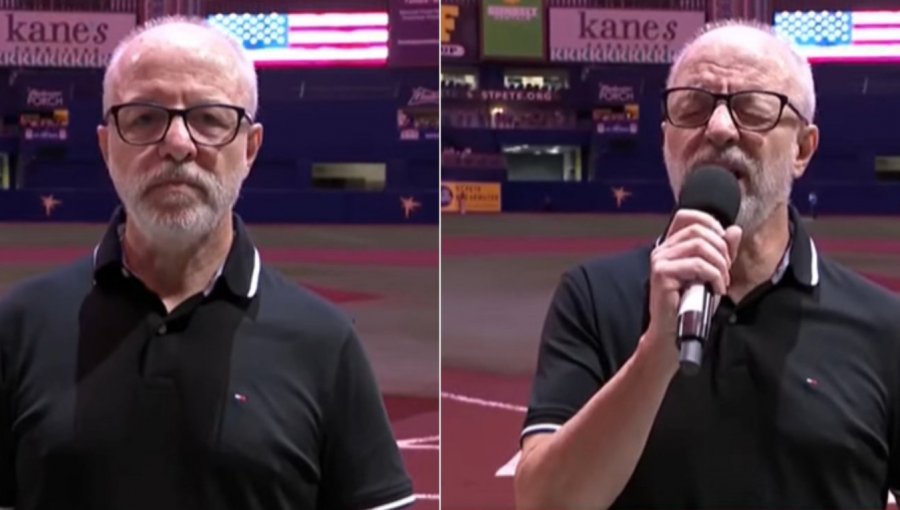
(551, 155)
(343, 197)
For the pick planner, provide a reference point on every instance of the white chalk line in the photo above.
(414, 447)
(420, 440)
(420, 443)
(492, 404)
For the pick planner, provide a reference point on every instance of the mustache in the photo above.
(179, 174)
(732, 159)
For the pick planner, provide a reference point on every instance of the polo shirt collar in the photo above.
(803, 258)
(240, 270)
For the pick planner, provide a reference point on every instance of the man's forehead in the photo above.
(179, 42)
(736, 48)
(167, 52)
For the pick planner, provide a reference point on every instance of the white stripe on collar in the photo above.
(254, 279)
(814, 263)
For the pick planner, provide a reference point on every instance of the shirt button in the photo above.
(732, 319)
(162, 330)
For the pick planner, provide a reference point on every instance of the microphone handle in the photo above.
(690, 356)
(694, 317)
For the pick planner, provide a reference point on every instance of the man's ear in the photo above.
(807, 144)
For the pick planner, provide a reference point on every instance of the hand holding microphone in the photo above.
(691, 266)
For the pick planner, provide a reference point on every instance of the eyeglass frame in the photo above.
(727, 98)
(178, 112)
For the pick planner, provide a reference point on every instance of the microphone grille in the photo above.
(713, 190)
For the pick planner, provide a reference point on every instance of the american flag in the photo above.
(299, 39)
(843, 35)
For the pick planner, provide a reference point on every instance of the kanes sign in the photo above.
(623, 36)
(60, 39)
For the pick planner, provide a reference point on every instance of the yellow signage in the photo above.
(464, 197)
(449, 14)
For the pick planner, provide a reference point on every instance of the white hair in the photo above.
(802, 74)
(243, 61)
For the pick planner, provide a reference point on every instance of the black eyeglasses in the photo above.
(752, 110)
(211, 125)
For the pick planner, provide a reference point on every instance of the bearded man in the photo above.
(171, 369)
(797, 401)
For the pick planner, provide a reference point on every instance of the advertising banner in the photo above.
(459, 32)
(415, 126)
(620, 35)
(502, 95)
(512, 29)
(463, 197)
(42, 101)
(60, 39)
(45, 126)
(39, 92)
(617, 121)
(414, 27)
(616, 103)
(418, 116)
(613, 91)
(420, 96)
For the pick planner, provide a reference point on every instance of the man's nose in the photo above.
(721, 130)
(177, 143)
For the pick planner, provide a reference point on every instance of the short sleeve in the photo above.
(569, 369)
(362, 467)
(893, 483)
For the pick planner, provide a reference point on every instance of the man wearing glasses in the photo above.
(797, 402)
(170, 369)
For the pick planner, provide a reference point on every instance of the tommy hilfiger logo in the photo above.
(812, 383)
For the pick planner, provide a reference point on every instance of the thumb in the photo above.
(733, 235)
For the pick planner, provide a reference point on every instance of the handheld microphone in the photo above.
(715, 191)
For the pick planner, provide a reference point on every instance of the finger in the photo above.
(686, 217)
(698, 231)
(661, 280)
(692, 270)
(733, 236)
(701, 248)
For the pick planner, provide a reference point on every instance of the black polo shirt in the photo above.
(795, 407)
(254, 394)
